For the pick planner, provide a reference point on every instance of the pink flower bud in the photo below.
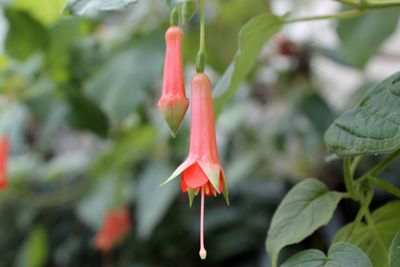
(173, 102)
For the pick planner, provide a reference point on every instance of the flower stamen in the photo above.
(202, 252)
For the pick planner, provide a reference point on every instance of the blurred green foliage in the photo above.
(78, 100)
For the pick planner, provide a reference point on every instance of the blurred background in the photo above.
(78, 102)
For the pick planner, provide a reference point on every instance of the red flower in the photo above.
(4, 150)
(173, 102)
(115, 226)
(202, 170)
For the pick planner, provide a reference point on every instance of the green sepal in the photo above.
(191, 193)
(178, 171)
(212, 171)
(225, 192)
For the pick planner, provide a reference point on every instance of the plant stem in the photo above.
(377, 169)
(341, 15)
(380, 4)
(384, 185)
(350, 2)
(360, 7)
(275, 261)
(364, 208)
(371, 224)
(355, 164)
(348, 177)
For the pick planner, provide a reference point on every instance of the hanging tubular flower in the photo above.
(202, 171)
(115, 226)
(4, 150)
(173, 102)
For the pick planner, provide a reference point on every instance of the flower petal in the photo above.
(194, 177)
(184, 187)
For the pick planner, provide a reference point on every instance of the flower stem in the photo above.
(201, 55)
(203, 251)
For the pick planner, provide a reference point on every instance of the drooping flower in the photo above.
(202, 171)
(4, 150)
(116, 225)
(173, 102)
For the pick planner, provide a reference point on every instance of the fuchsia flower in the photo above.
(116, 225)
(202, 171)
(4, 150)
(173, 102)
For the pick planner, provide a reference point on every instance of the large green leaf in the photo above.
(375, 240)
(372, 28)
(123, 82)
(35, 250)
(93, 207)
(63, 35)
(252, 38)
(306, 207)
(80, 7)
(153, 201)
(394, 254)
(372, 127)
(45, 11)
(339, 255)
(85, 114)
(25, 35)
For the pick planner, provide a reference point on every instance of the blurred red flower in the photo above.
(4, 150)
(116, 225)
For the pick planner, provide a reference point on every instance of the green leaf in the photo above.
(130, 145)
(153, 201)
(123, 82)
(60, 61)
(317, 111)
(372, 28)
(81, 7)
(93, 207)
(25, 35)
(306, 207)
(394, 255)
(45, 11)
(375, 240)
(85, 114)
(35, 250)
(372, 127)
(252, 37)
(339, 255)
